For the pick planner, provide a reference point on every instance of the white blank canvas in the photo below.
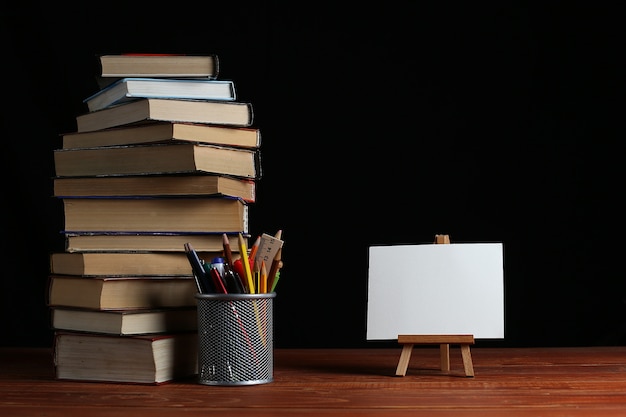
(432, 289)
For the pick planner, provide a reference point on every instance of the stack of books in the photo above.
(165, 155)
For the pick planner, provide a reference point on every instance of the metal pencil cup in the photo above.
(235, 339)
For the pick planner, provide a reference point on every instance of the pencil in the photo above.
(256, 274)
(246, 263)
(276, 277)
(228, 254)
(263, 278)
(276, 265)
(253, 250)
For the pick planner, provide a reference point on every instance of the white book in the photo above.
(130, 88)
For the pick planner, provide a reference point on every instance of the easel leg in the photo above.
(444, 353)
(467, 360)
(444, 341)
(405, 356)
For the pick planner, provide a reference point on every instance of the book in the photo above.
(157, 215)
(157, 159)
(161, 132)
(128, 89)
(155, 185)
(230, 113)
(124, 263)
(161, 242)
(125, 322)
(121, 293)
(159, 65)
(153, 360)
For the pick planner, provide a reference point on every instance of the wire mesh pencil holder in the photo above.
(235, 339)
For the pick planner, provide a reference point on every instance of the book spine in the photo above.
(216, 66)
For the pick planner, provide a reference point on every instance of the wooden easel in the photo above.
(444, 342)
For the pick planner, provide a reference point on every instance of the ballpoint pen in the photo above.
(239, 271)
(218, 283)
(203, 283)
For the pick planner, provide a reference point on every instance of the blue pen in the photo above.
(202, 279)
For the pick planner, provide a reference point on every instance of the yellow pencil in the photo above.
(243, 252)
(256, 274)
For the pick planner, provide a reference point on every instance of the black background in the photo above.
(382, 124)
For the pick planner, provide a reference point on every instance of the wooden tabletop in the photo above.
(510, 382)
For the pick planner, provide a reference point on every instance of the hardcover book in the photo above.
(162, 132)
(124, 263)
(159, 65)
(142, 359)
(156, 215)
(116, 293)
(157, 159)
(128, 89)
(229, 113)
(155, 185)
(155, 242)
(125, 322)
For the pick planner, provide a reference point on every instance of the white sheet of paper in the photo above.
(425, 289)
